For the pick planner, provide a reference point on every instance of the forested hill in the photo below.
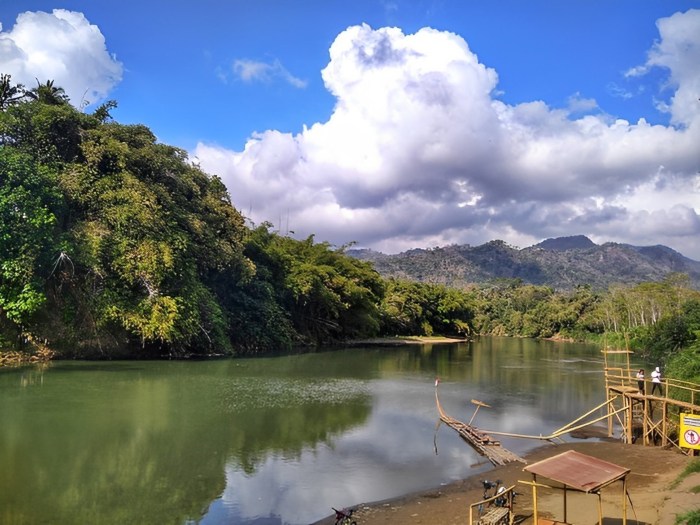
(562, 263)
(115, 245)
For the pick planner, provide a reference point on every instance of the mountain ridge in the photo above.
(562, 263)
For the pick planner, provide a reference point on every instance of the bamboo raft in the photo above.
(480, 441)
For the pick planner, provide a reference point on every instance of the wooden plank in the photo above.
(493, 516)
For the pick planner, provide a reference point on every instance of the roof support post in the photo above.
(565, 520)
(534, 498)
(624, 500)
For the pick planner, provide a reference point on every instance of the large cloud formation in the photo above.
(419, 151)
(61, 46)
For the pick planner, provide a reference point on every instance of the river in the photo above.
(270, 440)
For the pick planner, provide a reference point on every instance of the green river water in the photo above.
(273, 440)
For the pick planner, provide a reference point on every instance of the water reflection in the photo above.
(269, 440)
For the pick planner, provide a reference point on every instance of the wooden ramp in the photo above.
(480, 441)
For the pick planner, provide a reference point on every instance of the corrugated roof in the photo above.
(578, 471)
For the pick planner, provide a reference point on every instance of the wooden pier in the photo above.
(652, 418)
(640, 415)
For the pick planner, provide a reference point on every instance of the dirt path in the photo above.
(653, 502)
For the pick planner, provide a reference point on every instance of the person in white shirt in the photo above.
(656, 381)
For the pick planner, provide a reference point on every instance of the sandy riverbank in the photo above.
(653, 501)
(407, 340)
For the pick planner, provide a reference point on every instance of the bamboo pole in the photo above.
(553, 435)
(664, 425)
(645, 424)
(534, 498)
(478, 404)
(511, 514)
(624, 500)
(607, 402)
(629, 419)
(611, 400)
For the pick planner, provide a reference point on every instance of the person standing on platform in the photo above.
(640, 381)
(656, 381)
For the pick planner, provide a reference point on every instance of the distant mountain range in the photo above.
(562, 263)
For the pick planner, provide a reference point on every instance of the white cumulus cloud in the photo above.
(419, 151)
(61, 46)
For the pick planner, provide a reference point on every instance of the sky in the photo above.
(396, 124)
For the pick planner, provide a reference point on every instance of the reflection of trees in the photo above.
(549, 377)
(105, 456)
(122, 448)
(288, 431)
(495, 365)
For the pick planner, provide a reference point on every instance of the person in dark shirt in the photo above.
(640, 380)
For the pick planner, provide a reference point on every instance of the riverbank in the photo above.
(14, 358)
(653, 501)
(406, 340)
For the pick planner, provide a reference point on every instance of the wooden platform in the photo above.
(643, 415)
(480, 441)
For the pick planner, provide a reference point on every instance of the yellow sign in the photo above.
(690, 431)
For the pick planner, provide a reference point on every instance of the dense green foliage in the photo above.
(411, 308)
(112, 244)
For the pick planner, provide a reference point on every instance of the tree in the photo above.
(29, 200)
(10, 94)
(48, 132)
(411, 308)
(48, 93)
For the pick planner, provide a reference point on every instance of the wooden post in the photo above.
(608, 396)
(664, 429)
(624, 500)
(600, 508)
(628, 400)
(607, 393)
(645, 424)
(534, 498)
(478, 404)
(511, 514)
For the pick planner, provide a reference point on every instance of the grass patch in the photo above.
(690, 468)
(689, 518)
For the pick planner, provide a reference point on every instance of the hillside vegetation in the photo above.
(561, 263)
(115, 245)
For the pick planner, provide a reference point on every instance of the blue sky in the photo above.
(504, 120)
